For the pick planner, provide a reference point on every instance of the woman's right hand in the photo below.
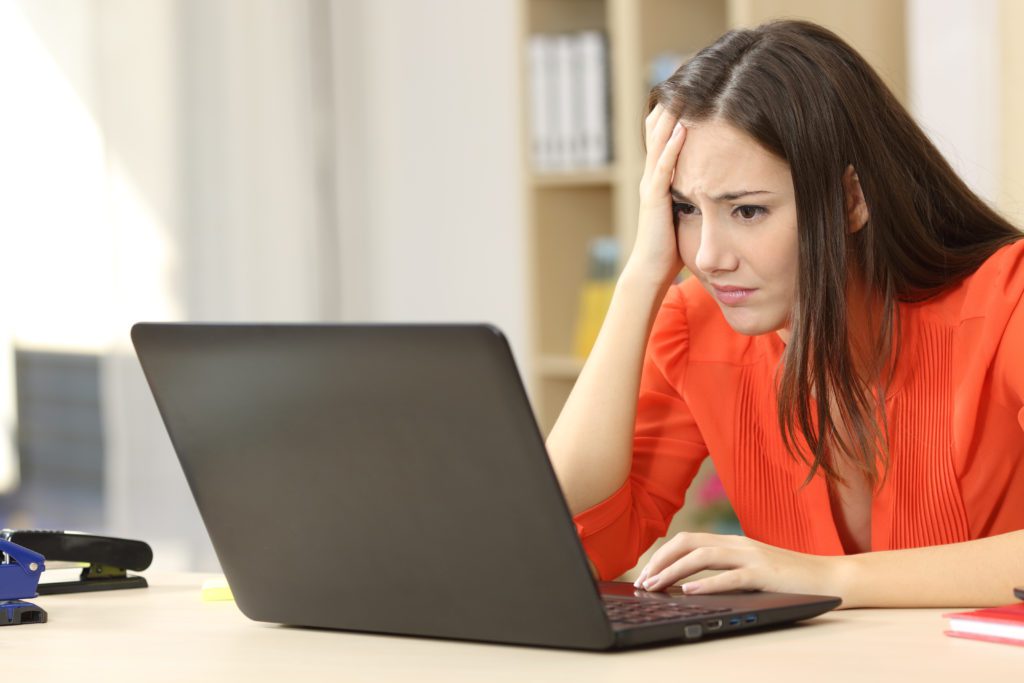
(655, 253)
(591, 444)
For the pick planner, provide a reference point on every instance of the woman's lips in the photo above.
(732, 296)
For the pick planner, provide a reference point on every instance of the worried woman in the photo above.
(847, 348)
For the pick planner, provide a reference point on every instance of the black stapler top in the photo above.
(107, 558)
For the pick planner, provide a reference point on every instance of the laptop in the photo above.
(392, 479)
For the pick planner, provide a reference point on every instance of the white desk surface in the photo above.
(167, 633)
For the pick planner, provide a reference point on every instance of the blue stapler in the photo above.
(19, 578)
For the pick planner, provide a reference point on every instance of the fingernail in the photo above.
(692, 587)
(650, 582)
(640, 579)
(678, 129)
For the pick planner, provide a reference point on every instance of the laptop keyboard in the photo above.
(650, 611)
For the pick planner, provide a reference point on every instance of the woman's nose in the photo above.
(715, 253)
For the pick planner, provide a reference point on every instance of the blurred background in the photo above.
(360, 160)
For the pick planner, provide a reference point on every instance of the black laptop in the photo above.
(392, 479)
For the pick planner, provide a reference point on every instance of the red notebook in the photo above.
(994, 624)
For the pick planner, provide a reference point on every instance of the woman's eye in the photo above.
(683, 209)
(749, 213)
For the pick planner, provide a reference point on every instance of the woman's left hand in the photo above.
(748, 565)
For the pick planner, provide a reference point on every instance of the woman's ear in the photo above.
(857, 214)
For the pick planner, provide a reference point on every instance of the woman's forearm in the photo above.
(591, 443)
(973, 573)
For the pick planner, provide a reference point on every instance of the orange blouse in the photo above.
(955, 412)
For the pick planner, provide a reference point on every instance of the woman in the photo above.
(846, 349)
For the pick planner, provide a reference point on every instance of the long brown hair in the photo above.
(806, 96)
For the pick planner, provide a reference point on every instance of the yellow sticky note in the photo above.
(216, 589)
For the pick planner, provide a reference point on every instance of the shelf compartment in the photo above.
(595, 177)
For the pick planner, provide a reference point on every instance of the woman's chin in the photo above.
(748, 322)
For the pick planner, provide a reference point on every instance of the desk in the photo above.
(166, 633)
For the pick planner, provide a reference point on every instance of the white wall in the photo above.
(1011, 132)
(217, 119)
(425, 157)
(953, 52)
(429, 153)
(138, 67)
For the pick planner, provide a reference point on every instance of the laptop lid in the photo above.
(384, 478)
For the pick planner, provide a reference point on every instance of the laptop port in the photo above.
(750, 619)
(714, 624)
(734, 621)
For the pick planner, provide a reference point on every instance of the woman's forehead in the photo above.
(719, 159)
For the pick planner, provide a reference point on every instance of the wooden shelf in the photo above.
(595, 177)
(567, 210)
(560, 367)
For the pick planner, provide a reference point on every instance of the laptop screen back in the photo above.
(376, 478)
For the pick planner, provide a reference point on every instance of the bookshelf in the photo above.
(566, 209)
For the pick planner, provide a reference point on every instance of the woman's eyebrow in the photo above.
(724, 197)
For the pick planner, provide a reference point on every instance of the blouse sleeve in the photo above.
(996, 309)
(667, 451)
(1008, 365)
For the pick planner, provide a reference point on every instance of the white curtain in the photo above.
(162, 160)
(224, 124)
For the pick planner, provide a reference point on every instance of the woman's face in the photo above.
(736, 213)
